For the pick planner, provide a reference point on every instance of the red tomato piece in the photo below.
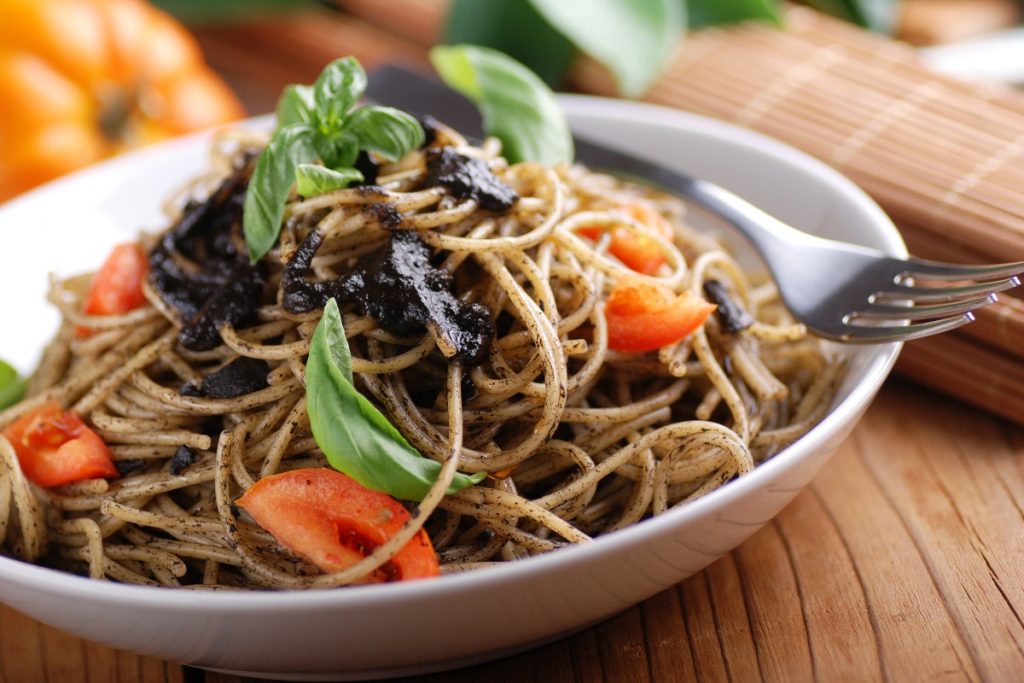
(55, 447)
(644, 317)
(333, 521)
(117, 286)
(637, 252)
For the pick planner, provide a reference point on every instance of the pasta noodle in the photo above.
(577, 440)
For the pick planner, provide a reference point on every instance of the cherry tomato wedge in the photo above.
(644, 317)
(637, 252)
(117, 286)
(55, 447)
(333, 521)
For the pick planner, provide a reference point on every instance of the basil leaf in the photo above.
(271, 183)
(312, 180)
(339, 150)
(389, 132)
(337, 88)
(501, 24)
(515, 104)
(356, 437)
(702, 13)
(12, 387)
(632, 38)
(296, 105)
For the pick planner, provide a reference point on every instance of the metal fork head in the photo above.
(900, 300)
(852, 293)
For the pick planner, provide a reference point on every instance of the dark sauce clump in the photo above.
(399, 287)
(182, 458)
(732, 316)
(238, 378)
(468, 178)
(201, 268)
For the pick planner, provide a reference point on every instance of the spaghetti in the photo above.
(577, 439)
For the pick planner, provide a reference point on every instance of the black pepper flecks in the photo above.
(468, 178)
(732, 316)
(200, 266)
(387, 215)
(182, 458)
(237, 378)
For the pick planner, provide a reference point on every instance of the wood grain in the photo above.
(902, 561)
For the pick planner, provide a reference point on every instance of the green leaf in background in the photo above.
(701, 13)
(12, 387)
(337, 88)
(356, 437)
(271, 182)
(312, 180)
(517, 107)
(877, 15)
(386, 131)
(632, 38)
(296, 105)
(502, 25)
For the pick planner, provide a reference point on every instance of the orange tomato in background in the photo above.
(81, 80)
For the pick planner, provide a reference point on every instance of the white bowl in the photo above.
(398, 629)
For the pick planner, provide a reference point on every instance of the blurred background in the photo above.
(972, 39)
(92, 90)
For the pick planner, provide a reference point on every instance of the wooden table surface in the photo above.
(903, 561)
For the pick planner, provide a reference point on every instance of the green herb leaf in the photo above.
(296, 105)
(501, 24)
(312, 180)
(336, 90)
(271, 183)
(702, 13)
(12, 387)
(633, 38)
(389, 132)
(516, 106)
(356, 437)
(339, 150)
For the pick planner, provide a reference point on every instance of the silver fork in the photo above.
(851, 293)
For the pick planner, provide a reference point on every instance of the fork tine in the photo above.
(865, 334)
(879, 311)
(944, 294)
(949, 271)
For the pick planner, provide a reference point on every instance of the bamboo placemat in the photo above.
(944, 158)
